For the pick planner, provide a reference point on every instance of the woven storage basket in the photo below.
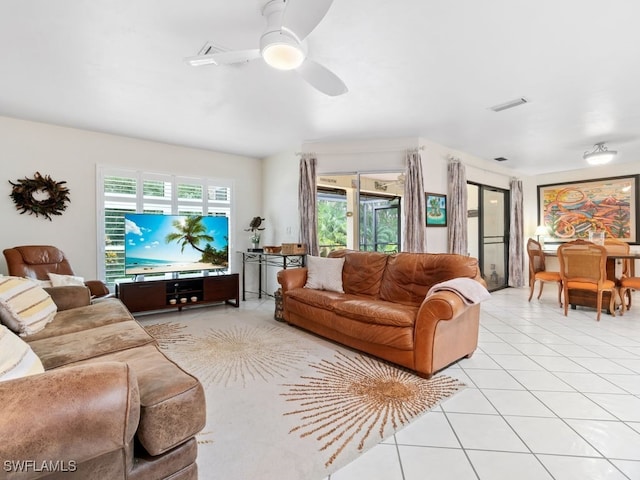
(294, 249)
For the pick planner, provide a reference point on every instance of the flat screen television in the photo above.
(156, 243)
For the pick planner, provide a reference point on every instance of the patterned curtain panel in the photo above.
(413, 237)
(457, 209)
(516, 240)
(307, 203)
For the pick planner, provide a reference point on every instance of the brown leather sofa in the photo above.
(383, 310)
(110, 405)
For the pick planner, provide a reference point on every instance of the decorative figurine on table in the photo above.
(254, 228)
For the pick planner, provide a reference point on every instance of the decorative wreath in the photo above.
(54, 204)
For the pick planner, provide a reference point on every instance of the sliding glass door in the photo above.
(488, 232)
(379, 224)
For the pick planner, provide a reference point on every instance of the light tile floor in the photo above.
(548, 397)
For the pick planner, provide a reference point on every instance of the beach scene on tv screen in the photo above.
(175, 243)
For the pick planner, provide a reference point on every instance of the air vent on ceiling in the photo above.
(509, 104)
(500, 159)
(211, 48)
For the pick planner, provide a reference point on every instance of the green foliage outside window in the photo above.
(379, 225)
(332, 223)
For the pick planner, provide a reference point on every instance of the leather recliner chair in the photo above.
(37, 261)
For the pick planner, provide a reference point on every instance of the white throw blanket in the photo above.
(469, 290)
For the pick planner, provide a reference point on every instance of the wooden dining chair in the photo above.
(619, 247)
(627, 284)
(538, 271)
(583, 267)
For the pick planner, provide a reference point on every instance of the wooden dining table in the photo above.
(587, 298)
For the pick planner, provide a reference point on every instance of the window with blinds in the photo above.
(127, 191)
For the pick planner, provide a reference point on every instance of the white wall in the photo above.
(279, 209)
(72, 155)
(280, 199)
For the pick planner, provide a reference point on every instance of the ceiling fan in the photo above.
(282, 44)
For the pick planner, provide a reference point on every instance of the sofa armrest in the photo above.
(71, 296)
(292, 278)
(446, 307)
(69, 415)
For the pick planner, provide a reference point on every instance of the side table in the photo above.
(265, 260)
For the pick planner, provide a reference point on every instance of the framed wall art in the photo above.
(436, 210)
(571, 210)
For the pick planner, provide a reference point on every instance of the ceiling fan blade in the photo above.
(321, 78)
(300, 17)
(224, 58)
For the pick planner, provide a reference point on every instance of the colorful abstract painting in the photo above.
(572, 210)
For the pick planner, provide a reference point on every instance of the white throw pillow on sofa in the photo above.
(324, 273)
(58, 280)
(25, 307)
(16, 357)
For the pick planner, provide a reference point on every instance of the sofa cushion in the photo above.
(377, 312)
(58, 280)
(324, 273)
(409, 276)
(172, 402)
(304, 315)
(104, 312)
(181, 459)
(71, 296)
(362, 273)
(317, 298)
(25, 307)
(16, 357)
(73, 347)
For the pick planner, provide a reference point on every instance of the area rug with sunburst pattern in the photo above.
(285, 404)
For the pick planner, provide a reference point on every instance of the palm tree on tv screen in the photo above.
(190, 232)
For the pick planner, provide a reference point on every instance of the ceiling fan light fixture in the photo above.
(281, 50)
(282, 44)
(283, 56)
(600, 155)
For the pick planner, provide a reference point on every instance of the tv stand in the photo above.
(176, 293)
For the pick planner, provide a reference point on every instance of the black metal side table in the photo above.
(262, 259)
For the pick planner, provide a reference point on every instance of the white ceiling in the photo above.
(422, 68)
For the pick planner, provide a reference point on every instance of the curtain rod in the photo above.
(363, 152)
